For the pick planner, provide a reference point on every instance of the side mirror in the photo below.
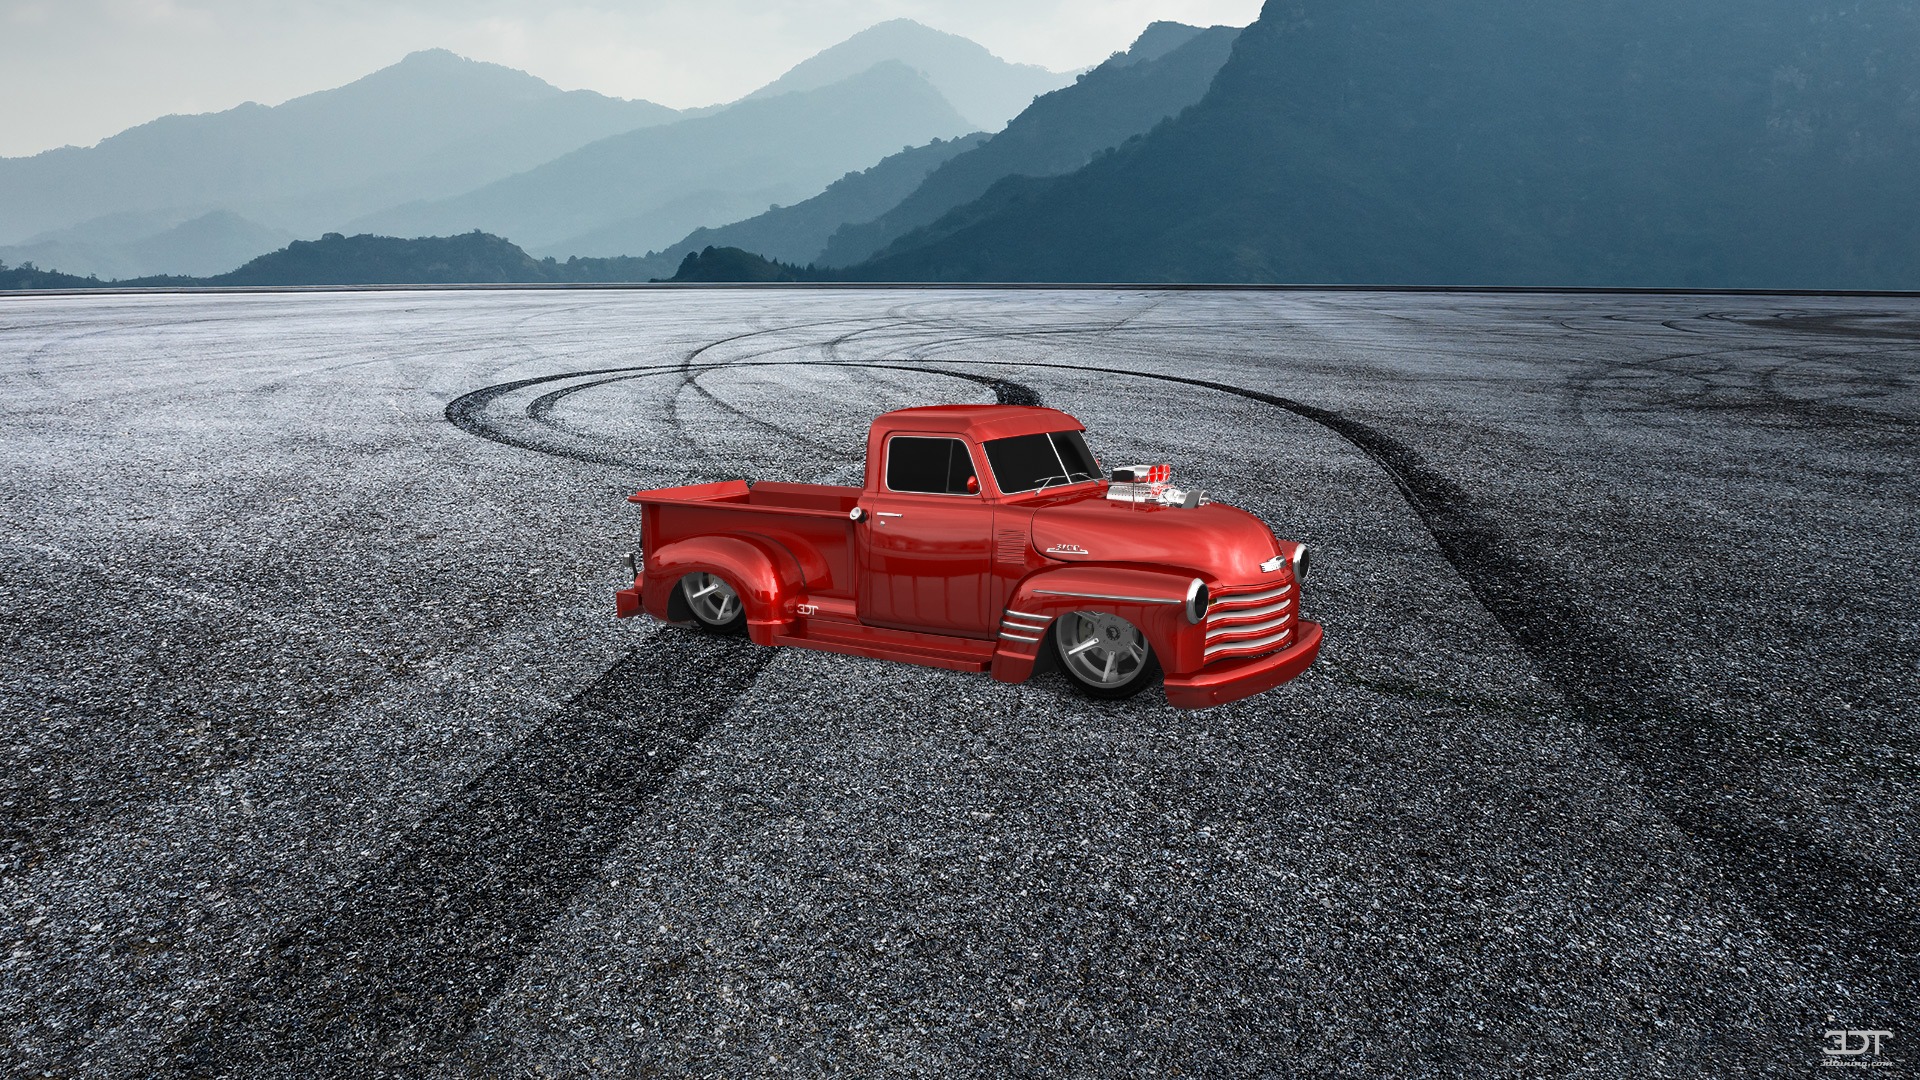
(973, 485)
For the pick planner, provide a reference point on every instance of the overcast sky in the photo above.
(76, 71)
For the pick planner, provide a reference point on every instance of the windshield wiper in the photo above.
(1065, 478)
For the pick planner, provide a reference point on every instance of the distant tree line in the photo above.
(28, 276)
(474, 258)
(728, 264)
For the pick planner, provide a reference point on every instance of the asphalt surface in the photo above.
(321, 754)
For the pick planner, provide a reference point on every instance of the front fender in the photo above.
(765, 576)
(1153, 600)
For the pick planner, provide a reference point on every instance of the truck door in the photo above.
(928, 562)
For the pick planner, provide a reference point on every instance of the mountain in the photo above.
(432, 125)
(209, 244)
(1156, 41)
(1166, 70)
(641, 190)
(1719, 143)
(987, 90)
(97, 246)
(122, 247)
(795, 234)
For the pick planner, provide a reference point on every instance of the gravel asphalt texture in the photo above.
(321, 753)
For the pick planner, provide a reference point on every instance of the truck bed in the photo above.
(808, 520)
(765, 495)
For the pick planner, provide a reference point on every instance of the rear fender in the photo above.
(765, 576)
(1153, 600)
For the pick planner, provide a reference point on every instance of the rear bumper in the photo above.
(1231, 680)
(626, 602)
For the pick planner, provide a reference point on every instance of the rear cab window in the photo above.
(925, 465)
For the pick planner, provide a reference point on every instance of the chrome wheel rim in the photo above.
(1105, 651)
(712, 600)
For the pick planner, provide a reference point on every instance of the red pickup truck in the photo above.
(987, 539)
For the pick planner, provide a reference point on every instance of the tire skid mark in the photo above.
(475, 888)
(468, 412)
(689, 380)
(1854, 325)
(687, 363)
(1662, 381)
(695, 383)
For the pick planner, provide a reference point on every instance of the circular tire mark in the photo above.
(470, 411)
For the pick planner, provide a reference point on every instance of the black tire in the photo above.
(713, 603)
(1104, 656)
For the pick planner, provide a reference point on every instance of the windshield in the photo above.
(1033, 462)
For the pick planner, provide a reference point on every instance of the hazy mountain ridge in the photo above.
(435, 145)
(796, 234)
(1726, 143)
(208, 244)
(1169, 68)
(985, 89)
(620, 194)
(433, 124)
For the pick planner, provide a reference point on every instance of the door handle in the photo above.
(883, 513)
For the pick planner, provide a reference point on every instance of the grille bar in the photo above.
(1248, 629)
(1258, 645)
(1242, 615)
(1249, 599)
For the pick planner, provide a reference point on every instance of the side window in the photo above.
(929, 466)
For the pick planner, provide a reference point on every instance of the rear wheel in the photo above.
(713, 603)
(1104, 655)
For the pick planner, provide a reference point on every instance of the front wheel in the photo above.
(713, 603)
(1104, 655)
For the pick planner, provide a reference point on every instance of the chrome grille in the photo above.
(1249, 620)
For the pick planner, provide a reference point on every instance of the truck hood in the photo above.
(1222, 542)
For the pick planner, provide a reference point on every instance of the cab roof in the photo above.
(978, 422)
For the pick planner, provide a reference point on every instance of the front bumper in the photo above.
(1231, 680)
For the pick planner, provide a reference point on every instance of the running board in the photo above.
(879, 643)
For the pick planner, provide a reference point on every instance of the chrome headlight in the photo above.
(1300, 563)
(1198, 601)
